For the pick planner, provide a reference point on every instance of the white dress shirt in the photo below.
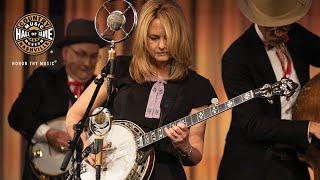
(286, 105)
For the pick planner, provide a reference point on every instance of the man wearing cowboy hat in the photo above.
(48, 93)
(263, 138)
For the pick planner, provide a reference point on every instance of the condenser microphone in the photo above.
(116, 20)
(122, 20)
(102, 120)
(97, 146)
(100, 123)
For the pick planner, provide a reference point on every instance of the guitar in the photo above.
(127, 158)
(45, 160)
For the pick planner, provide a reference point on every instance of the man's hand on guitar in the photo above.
(179, 136)
(58, 139)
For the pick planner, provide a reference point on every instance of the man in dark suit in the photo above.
(48, 93)
(263, 138)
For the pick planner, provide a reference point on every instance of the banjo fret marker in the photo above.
(200, 116)
(146, 137)
(214, 110)
(160, 132)
(153, 136)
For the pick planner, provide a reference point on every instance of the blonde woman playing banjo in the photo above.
(154, 87)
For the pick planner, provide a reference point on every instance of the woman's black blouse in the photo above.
(130, 102)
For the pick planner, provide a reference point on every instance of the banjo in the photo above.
(128, 158)
(45, 160)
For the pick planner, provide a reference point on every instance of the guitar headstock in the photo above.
(284, 87)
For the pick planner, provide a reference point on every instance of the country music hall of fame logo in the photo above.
(33, 33)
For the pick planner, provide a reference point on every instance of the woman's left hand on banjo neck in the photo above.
(189, 142)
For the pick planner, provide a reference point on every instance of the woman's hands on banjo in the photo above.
(179, 136)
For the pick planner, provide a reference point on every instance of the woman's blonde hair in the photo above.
(179, 43)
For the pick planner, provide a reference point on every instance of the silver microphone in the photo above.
(100, 122)
(116, 20)
(115, 25)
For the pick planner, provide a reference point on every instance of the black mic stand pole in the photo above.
(78, 129)
(73, 169)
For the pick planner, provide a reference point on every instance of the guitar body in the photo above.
(121, 161)
(46, 161)
(307, 107)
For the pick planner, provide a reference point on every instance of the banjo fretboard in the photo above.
(284, 87)
(158, 134)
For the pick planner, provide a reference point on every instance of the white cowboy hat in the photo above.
(274, 13)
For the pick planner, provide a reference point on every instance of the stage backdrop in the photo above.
(214, 24)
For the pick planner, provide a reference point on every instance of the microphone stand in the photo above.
(78, 129)
(76, 142)
(74, 168)
(98, 143)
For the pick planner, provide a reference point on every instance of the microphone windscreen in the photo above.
(116, 20)
(100, 118)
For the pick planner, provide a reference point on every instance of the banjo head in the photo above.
(46, 161)
(120, 160)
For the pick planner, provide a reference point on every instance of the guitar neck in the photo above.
(193, 119)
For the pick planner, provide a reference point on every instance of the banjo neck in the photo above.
(193, 119)
(284, 87)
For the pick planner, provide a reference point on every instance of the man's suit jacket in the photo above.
(44, 97)
(256, 124)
